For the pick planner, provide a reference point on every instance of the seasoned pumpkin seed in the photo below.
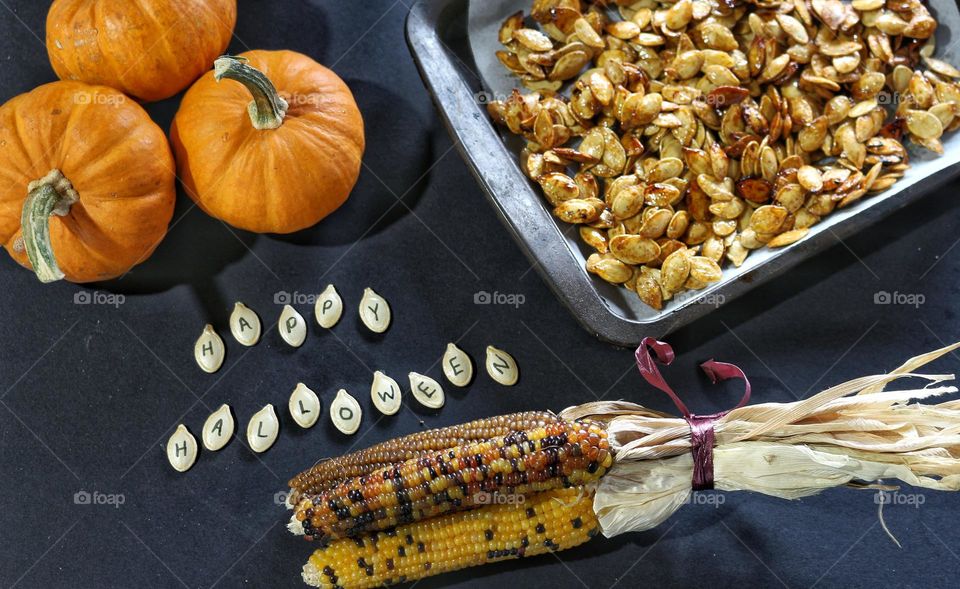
(924, 125)
(788, 237)
(809, 178)
(675, 271)
(705, 269)
(533, 39)
(634, 249)
(609, 268)
(768, 218)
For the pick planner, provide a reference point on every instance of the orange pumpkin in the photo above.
(150, 49)
(277, 164)
(87, 183)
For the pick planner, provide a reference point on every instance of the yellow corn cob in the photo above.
(325, 475)
(563, 454)
(545, 522)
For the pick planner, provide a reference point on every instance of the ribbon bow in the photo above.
(701, 426)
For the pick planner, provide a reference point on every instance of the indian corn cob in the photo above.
(562, 454)
(854, 432)
(545, 522)
(325, 475)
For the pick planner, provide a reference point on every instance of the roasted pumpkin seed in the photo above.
(788, 237)
(675, 271)
(609, 268)
(634, 249)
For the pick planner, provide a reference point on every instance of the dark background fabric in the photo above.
(89, 393)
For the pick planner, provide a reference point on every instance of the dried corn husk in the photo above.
(854, 432)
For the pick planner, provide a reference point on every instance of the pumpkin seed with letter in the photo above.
(502, 367)
(292, 327)
(263, 429)
(374, 311)
(245, 325)
(345, 413)
(426, 391)
(457, 366)
(209, 350)
(385, 394)
(218, 428)
(304, 406)
(182, 449)
(328, 308)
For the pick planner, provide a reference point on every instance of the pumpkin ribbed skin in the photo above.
(271, 180)
(150, 49)
(117, 159)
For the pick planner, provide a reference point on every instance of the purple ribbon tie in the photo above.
(702, 435)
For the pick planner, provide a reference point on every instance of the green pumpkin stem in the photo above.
(51, 195)
(268, 107)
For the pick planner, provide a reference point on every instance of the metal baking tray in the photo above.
(436, 35)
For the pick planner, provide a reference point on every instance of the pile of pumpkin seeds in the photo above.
(709, 128)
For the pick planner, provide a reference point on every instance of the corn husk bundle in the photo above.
(411, 507)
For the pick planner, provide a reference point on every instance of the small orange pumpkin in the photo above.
(87, 183)
(280, 163)
(150, 49)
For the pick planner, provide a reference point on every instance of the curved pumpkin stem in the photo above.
(268, 107)
(51, 195)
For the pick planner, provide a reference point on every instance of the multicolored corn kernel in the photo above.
(326, 474)
(556, 455)
(541, 523)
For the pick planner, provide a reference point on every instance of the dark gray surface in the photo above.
(91, 392)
